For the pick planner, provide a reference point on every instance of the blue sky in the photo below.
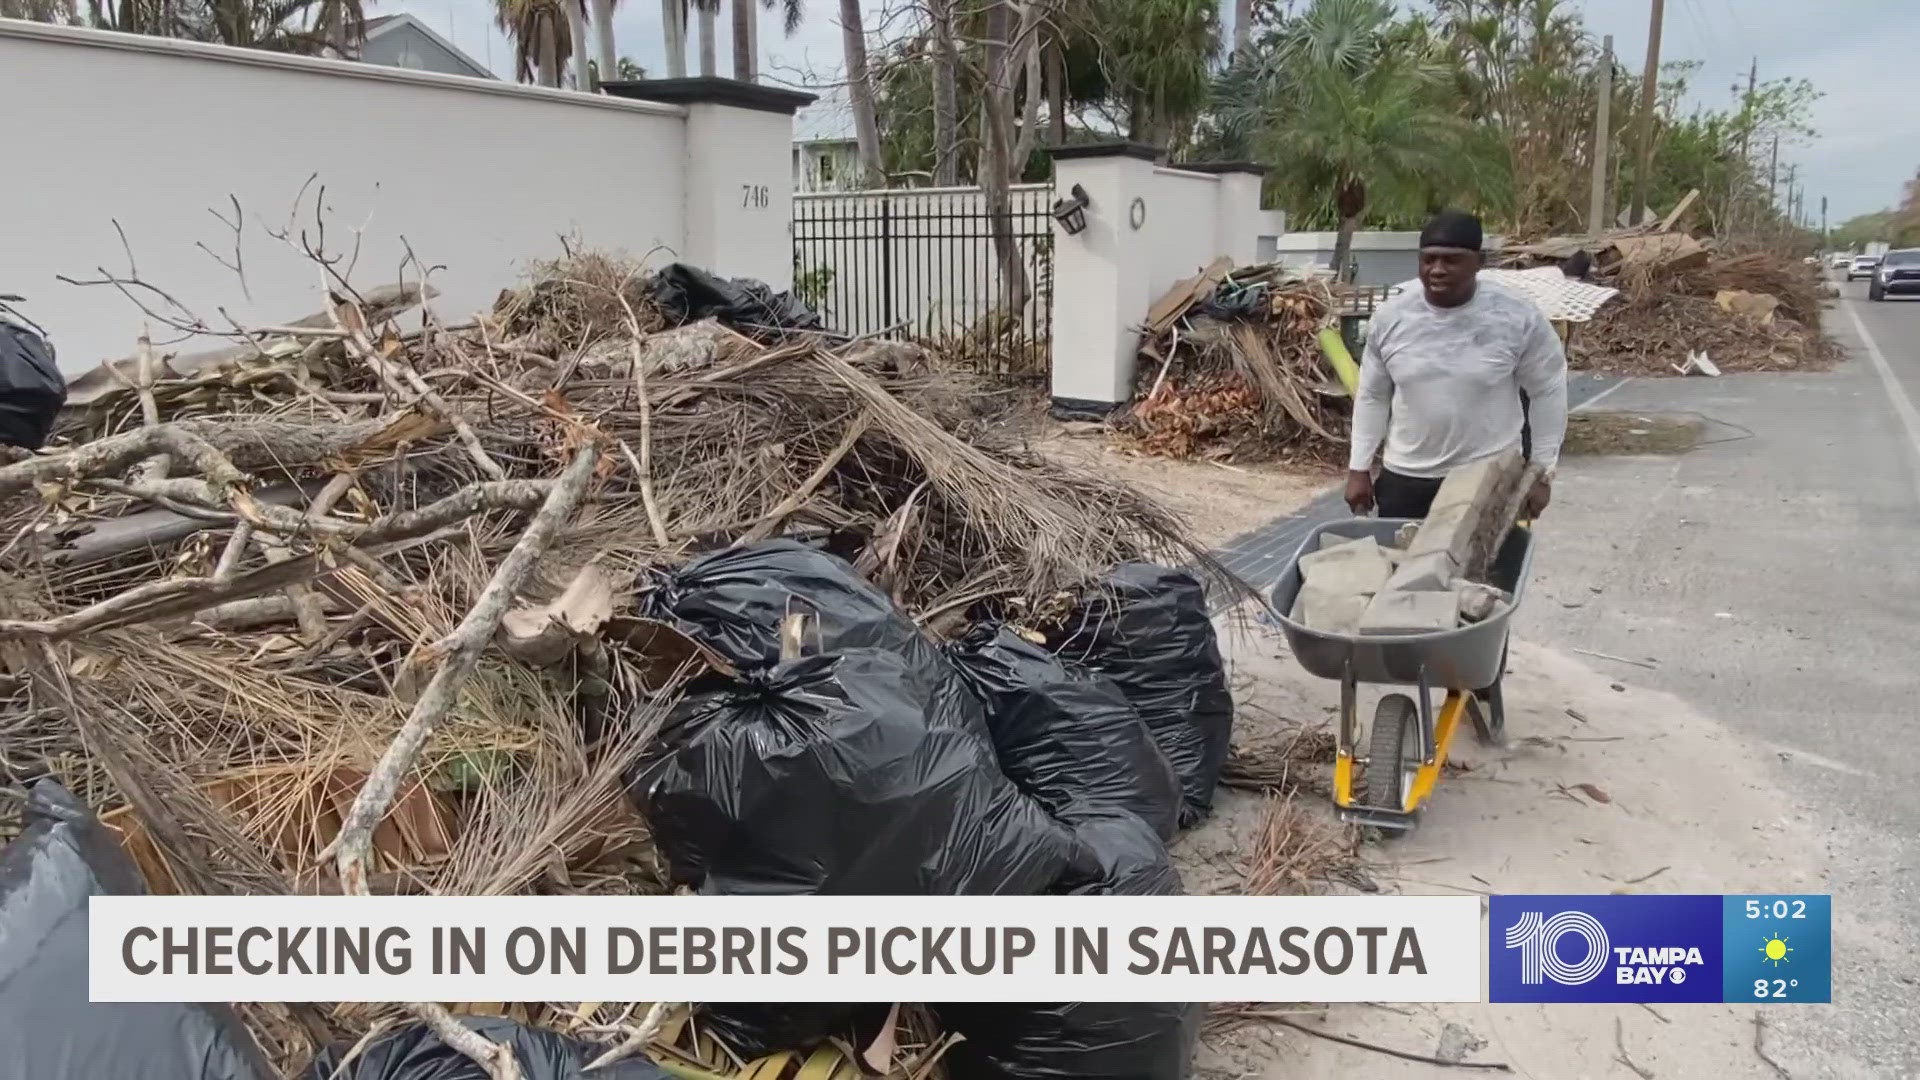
(1857, 51)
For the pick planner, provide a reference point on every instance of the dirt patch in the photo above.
(1682, 805)
(1592, 433)
(1218, 501)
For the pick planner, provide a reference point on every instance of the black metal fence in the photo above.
(922, 264)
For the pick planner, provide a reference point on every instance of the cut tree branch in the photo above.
(462, 650)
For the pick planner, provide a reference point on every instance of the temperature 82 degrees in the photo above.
(1778, 949)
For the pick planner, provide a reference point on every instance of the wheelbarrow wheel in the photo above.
(1393, 752)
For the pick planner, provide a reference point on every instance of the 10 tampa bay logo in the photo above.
(1538, 938)
(1605, 948)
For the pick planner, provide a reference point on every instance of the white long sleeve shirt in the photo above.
(1442, 385)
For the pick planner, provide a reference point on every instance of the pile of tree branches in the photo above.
(1237, 373)
(333, 609)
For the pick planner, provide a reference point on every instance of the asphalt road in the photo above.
(1773, 577)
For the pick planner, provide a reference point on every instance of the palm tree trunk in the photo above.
(673, 24)
(866, 130)
(946, 111)
(549, 54)
(1057, 91)
(1242, 26)
(744, 13)
(577, 35)
(1343, 246)
(602, 18)
(709, 36)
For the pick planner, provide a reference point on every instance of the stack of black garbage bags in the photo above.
(881, 762)
(878, 763)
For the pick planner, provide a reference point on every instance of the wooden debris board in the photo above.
(1167, 310)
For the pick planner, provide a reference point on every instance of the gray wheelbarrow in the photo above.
(1407, 744)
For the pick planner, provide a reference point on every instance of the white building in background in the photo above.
(826, 156)
(403, 41)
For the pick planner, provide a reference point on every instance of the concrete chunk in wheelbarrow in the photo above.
(1469, 494)
(1338, 582)
(1330, 612)
(1395, 612)
(1357, 567)
(1434, 571)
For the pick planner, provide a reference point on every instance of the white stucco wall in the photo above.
(478, 177)
(1108, 277)
(1181, 208)
(738, 192)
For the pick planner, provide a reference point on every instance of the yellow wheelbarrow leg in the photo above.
(1343, 780)
(1428, 775)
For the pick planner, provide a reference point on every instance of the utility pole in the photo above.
(1602, 133)
(1746, 104)
(1823, 220)
(1649, 90)
(1746, 140)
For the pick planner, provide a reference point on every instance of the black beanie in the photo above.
(1452, 229)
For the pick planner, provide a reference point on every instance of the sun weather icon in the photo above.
(1775, 950)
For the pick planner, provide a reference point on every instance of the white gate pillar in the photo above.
(1100, 275)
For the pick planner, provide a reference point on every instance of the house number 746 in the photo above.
(754, 196)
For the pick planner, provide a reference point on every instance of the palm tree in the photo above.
(673, 27)
(1158, 55)
(46, 11)
(308, 27)
(709, 35)
(1351, 108)
(746, 37)
(601, 17)
(541, 34)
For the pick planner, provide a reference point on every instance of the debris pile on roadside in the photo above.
(1745, 310)
(1231, 368)
(502, 607)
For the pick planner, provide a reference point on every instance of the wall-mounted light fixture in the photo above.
(1071, 212)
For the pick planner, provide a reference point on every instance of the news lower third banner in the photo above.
(1507, 948)
(785, 948)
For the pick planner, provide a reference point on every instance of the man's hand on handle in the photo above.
(1537, 499)
(1359, 491)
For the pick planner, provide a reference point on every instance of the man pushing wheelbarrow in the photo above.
(1466, 383)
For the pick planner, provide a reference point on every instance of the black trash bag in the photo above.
(756, 1030)
(733, 601)
(47, 1026)
(1146, 628)
(848, 773)
(414, 1052)
(1086, 1039)
(1128, 857)
(686, 293)
(1068, 738)
(31, 387)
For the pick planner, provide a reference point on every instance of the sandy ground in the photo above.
(1219, 502)
(1690, 810)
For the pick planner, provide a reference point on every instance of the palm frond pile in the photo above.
(1236, 372)
(233, 578)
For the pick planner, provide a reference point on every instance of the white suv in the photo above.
(1863, 267)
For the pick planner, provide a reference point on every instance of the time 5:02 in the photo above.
(1779, 909)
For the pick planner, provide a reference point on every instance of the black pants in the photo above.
(1397, 496)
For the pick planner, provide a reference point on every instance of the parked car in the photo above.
(1899, 273)
(1862, 267)
(1840, 261)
